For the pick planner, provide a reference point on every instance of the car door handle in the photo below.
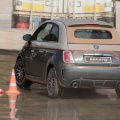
(43, 51)
(32, 51)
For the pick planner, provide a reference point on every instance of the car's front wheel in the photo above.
(53, 88)
(20, 75)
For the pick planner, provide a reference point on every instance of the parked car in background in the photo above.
(70, 53)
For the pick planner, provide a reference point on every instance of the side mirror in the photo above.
(27, 37)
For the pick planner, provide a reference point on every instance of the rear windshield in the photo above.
(92, 34)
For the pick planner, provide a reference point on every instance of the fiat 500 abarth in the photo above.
(70, 53)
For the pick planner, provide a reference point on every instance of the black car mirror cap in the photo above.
(27, 37)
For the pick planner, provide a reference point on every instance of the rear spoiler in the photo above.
(91, 25)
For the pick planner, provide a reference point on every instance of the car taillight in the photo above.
(67, 57)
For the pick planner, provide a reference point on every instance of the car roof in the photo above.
(72, 22)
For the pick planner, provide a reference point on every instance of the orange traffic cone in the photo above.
(1, 92)
(12, 114)
(12, 104)
(12, 86)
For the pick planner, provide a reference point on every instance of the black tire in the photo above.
(20, 75)
(53, 87)
(117, 90)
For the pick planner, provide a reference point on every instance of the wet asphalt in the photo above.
(34, 104)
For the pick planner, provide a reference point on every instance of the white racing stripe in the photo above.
(12, 101)
(12, 84)
(13, 73)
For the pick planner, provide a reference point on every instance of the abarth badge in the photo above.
(96, 47)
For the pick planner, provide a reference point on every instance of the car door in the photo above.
(49, 49)
(28, 58)
(40, 36)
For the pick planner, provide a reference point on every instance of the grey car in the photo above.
(70, 53)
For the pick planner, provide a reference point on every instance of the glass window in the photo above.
(92, 34)
(44, 33)
(54, 36)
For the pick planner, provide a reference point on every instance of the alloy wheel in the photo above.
(19, 72)
(53, 87)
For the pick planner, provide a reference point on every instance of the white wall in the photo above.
(118, 17)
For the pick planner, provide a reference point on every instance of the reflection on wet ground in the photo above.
(75, 104)
(34, 104)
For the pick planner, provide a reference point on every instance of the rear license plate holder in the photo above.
(94, 59)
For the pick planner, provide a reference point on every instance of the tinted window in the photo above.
(92, 34)
(54, 33)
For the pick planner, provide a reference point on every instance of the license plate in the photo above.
(97, 59)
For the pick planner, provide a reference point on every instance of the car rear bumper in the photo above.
(91, 77)
(94, 83)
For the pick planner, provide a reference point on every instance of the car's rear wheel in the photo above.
(117, 90)
(20, 75)
(53, 88)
